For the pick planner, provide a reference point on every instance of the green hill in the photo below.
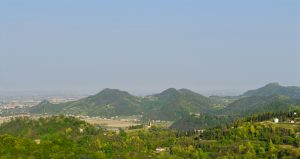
(258, 136)
(258, 104)
(171, 104)
(109, 102)
(275, 89)
(51, 137)
(45, 127)
(271, 98)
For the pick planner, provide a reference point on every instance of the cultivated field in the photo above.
(113, 123)
(110, 122)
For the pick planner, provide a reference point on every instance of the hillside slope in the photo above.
(174, 104)
(275, 89)
(109, 102)
(258, 104)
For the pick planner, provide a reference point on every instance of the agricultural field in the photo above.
(110, 122)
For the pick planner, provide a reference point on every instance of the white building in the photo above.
(80, 130)
(37, 141)
(276, 120)
(160, 149)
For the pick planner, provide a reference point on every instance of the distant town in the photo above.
(11, 102)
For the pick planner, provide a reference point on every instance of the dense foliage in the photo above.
(68, 137)
(201, 121)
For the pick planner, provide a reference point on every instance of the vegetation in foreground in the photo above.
(68, 137)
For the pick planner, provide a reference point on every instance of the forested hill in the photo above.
(109, 102)
(174, 104)
(257, 104)
(272, 97)
(45, 127)
(275, 89)
(171, 104)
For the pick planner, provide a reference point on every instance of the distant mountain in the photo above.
(258, 104)
(275, 89)
(171, 104)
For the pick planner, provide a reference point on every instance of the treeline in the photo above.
(37, 128)
(200, 121)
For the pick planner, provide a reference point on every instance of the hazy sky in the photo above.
(147, 46)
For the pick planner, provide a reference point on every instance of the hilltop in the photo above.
(275, 89)
(109, 102)
(272, 97)
(173, 104)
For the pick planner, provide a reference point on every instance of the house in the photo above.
(37, 141)
(161, 149)
(199, 131)
(276, 120)
(80, 130)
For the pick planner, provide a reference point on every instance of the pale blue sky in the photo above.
(147, 46)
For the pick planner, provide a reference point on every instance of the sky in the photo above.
(148, 46)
